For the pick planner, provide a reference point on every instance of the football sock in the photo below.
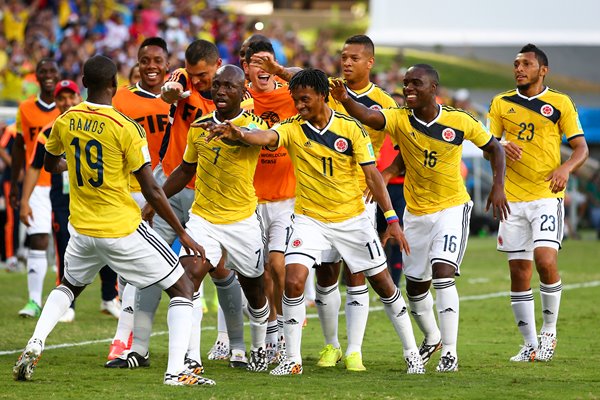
(524, 312)
(179, 319)
(230, 299)
(193, 350)
(146, 304)
(328, 300)
(125, 324)
(294, 313)
(57, 303)
(550, 295)
(447, 307)
(421, 308)
(258, 325)
(396, 310)
(37, 265)
(271, 339)
(222, 335)
(357, 313)
(280, 334)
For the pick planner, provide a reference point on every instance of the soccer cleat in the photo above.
(427, 350)
(193, 367)
(115, 349)
(271, 350)
(68, 316)
(448, 363)
(129, 360)
(27, 361)
(187, 379)
(281, 350)
(31, 310)
(287, 367)
(545, 350)
(353, 362)
(258, 360)
(111, 307)
(414, 363)
(526, 354)
(329, 356)
(238, 359)
(219, 351)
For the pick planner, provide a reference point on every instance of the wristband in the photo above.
(390, 213)
(393, 219)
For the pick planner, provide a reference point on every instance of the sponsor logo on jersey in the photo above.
(448, 134)
(511, 111)
(547, 110)
(370, 150)
(341, 145)
(307, 144)
(297, 243)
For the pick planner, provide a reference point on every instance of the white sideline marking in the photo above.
(376, 308)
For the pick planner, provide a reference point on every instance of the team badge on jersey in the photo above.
(500, 240)
(448, 134)
(547, 110)
(341, 145)
(296, 243)
(376, 107)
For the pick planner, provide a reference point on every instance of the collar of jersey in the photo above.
(322, 131)
(44, 104)
(362, 92)
(532, 97)
(137, 85)
(232, 119)
(97, 105)
(433, 121)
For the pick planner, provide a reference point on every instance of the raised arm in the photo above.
(267, 63)
(365, 115)
(497, 197)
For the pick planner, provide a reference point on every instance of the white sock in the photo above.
(37, 265)
(125, 324)
(550, 295)
(421, 308)
(258, 325)
(271, 339)
(230, 299)
(328, 300)
(179, 319)
(524, 311)
(448, 308)
(222, 335)
(357, 313)
(294, 313)
(146, 304)
(280, 334)
(193, 350)
(396, 310)
(57, 303)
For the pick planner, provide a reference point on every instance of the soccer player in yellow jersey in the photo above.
(102, 147)
(438, 207)
(223, 214)
(532, 120)
(329, 213)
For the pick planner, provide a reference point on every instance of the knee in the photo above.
(545, 261)
(294, 285)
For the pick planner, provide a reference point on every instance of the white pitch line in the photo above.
(376, 308)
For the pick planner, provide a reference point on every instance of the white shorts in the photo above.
(355, 239)
(139, 199)
(276, 217)
(440, 237)
(41, 208)
(243, 241)
(142, 258)
(531, 224)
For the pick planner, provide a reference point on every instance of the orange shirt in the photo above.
(45, 179)
(387, 154)
(274, 178)
(32, 116)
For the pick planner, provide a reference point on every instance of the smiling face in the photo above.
(528, 71)
(66, 99)
(261, 80)
(419, 88)
(308, 102)
(47, 75)
(356, 62)
(153, 64)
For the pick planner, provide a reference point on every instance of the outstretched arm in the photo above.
(372, 118)
(229, 131)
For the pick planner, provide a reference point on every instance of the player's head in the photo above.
(201, 62)
(66, 95)
(257, 37)
(227, 90)
(358, 57)
(420, 85)
(310, 90)
(99, 75)
(47, 74)
(261, 80)
(153, 59)
(530, 67)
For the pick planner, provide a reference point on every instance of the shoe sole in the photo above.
(24, 367)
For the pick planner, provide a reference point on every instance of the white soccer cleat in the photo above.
(414, 363)
(526, 354)
(287, 367)
(238, 359)
(545, 350)
(68, 316)
(187, 379)
(28, 360)
(219, 351)
(448, 363)
(111, 307)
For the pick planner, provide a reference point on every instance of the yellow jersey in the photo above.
(102, 147)
(327, 187)
(225, 172)
(536, 125)
(432, 154)
(375, 98)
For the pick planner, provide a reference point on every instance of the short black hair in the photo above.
(202, 50)
(539, 54)
(99, 72)
(257, 47)
(311, 78)
(154, 41)
(257, 37)
(44, 61)
(430, 71)
(363, 40)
